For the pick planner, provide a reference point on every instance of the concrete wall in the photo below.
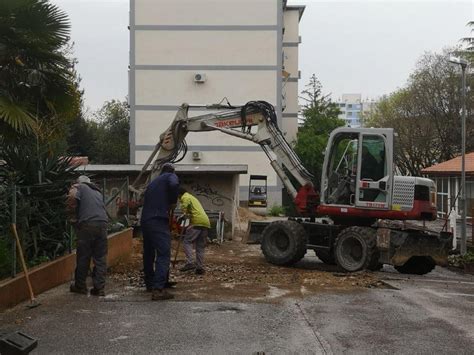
(206, 12)
(290, 65)
(237, 44)
(59, 271)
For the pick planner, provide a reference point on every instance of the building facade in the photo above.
(447, 176)
(202, 52)
(351, 106)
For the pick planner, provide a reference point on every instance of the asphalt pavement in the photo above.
(412, 315)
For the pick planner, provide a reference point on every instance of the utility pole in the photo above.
(463, 63)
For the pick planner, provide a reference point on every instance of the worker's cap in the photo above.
(168, 168)
(83, 178)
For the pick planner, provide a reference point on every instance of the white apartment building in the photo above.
(245, 49)
(351, 106)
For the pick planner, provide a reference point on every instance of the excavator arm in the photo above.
(237, 121)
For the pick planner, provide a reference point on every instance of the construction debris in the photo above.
(238, 272)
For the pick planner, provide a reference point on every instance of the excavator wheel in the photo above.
(326, 257)
(418, 265)
(284, 242)
(356, 249)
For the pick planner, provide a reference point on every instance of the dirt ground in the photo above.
(239, 272)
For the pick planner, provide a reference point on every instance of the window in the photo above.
(349, 114)
(349, 106)
(442, 198)
(372, 168)
(342, 169)
(342, 105)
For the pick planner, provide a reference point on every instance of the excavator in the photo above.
(356, 221)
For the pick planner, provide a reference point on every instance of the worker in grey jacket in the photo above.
(85, 205)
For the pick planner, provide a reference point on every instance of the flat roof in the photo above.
(180, 168)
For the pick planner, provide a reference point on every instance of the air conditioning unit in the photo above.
(197, 155)
(200, 78)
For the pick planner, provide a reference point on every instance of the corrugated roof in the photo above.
(451, 167)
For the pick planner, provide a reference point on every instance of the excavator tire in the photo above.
(326, 257)
(284, 242)
(418, 265)
(356, 249)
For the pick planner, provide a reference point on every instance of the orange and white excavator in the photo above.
(360, 194)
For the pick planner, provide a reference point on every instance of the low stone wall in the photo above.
(59, 271)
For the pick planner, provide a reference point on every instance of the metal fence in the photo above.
(40, 215)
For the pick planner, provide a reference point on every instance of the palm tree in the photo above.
(37, 82)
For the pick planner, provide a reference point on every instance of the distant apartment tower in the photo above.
(242, 49)
(351, 106)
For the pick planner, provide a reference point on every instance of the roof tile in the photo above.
(451, 166)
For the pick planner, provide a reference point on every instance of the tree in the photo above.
(425, 114)
(320, 119)
(468, 42)
(37, 82)
(111, 136)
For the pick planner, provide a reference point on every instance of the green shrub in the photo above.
(276, 210)
(40, 205)
(469, 257)
(5, 256)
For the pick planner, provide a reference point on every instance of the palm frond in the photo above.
(15, 116)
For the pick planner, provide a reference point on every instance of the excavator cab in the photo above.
(358, 168)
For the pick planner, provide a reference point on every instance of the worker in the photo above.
(85, 205)
(159, 201)
(196, 233)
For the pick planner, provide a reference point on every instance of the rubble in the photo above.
(237, 272)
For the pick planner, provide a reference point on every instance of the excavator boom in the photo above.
(236, 121)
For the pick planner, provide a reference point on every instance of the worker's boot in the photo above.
(187, 267)
(81, 290)
(170, 284)
(161, 295)
(97, 292)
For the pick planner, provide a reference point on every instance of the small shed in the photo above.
(215, 185)
(447, 176)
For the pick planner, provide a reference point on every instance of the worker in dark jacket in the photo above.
(160, 198)
(85, 205)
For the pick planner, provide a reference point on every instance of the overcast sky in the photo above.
(368, 47)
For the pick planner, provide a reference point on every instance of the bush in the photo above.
(469, 257)
(40, 205)
(276, 210)
(5, 256)
(459, 261)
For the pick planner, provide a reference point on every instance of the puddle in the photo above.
(122, 337)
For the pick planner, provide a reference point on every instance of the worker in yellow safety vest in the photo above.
(196, 233)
